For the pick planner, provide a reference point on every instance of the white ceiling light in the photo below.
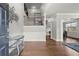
(33, 9)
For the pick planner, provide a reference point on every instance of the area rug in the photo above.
(74, 46)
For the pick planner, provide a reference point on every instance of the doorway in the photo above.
(70, 34)
(70, 31)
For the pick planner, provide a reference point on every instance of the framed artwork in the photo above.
(72, 27)
(33, 19)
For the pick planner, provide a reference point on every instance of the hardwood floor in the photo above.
(48, 48)
(70, 40)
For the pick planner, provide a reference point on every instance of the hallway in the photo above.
(48, 48)
(26, 29)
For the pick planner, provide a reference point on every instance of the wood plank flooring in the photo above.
(70, 40)
(48, 48)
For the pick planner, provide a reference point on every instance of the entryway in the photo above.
(70, 33)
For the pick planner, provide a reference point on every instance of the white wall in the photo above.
(34, 33)
(16, 28)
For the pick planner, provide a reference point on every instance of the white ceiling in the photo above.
(53, 8)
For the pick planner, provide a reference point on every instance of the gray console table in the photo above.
(16, 45)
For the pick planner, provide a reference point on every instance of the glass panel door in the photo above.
(2, 21)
